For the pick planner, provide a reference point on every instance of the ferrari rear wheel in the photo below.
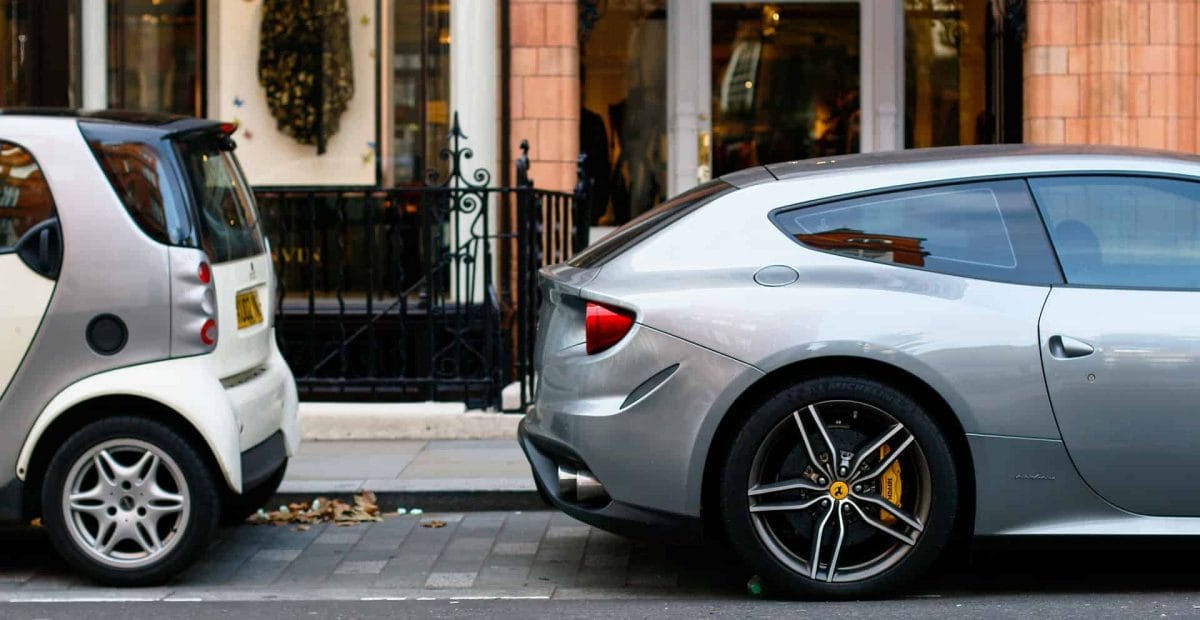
(839, 487)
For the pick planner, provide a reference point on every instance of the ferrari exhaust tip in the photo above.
(579, 485)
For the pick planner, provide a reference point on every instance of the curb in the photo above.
(432, 501)
(325, 421)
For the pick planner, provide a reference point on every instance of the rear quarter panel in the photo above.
(973, 341)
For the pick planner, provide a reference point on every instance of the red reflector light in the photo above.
(606, 326)
(204, 273)
(228, 128)
(208, 333)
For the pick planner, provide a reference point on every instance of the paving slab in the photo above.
(453, 474)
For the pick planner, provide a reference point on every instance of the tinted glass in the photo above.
(140, 179)
(24, 195)
(1134, 232)
(983, 230)
(141, 170)
(648, 223)
(228, 220)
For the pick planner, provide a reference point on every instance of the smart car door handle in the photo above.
(1065, 347)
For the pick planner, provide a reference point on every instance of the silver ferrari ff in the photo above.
(840, 365)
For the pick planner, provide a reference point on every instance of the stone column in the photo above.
(1119, 72)
(93, 34)
(544, 91)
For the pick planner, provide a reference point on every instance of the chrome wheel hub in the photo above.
(126, 503)
(839, 492)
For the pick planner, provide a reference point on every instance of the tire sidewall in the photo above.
(735, 474)
(204, 508)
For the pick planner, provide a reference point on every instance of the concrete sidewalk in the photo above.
(466, 474)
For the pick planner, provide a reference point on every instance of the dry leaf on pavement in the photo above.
(323, 510)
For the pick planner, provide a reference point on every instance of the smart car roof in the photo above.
(167, 123)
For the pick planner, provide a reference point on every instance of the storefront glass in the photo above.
(623, 123)
(785, 82)
(39, 59)
(945, 68)
(155, 55)
(420, 87)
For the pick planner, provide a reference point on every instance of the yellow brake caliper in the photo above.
(890, 486)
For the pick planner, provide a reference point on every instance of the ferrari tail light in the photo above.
(606, 326)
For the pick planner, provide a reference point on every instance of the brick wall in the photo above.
(544, 91)
(1112, 72)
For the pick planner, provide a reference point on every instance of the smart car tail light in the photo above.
(606, 326)
(208, 333)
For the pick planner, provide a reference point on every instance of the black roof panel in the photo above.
(169, 123)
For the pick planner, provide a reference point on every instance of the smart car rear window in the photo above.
(227, 217)
(140, 170)
(986, 230)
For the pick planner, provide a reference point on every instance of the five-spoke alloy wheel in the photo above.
(126, 502)
(839, 488)
(129, 501)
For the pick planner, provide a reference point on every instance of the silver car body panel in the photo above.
(1130, 411)
(975, 342)
(106, 258)
(110, 266)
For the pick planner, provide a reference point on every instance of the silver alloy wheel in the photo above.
(825, 466)
(126, 503)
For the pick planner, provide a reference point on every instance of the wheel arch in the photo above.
(91, 410)
(866, 368)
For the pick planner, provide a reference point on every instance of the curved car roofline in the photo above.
(167, 123)
(911, 157)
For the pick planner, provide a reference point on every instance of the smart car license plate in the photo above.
(248, 311)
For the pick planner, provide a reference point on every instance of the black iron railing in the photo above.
(397, 294)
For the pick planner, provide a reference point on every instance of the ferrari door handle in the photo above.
(1065, 347)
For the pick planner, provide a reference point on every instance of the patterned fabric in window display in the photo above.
(304, 64)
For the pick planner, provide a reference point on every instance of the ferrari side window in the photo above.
(985, 230)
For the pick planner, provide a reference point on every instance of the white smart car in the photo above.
(142, 394)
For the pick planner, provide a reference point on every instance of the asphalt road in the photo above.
(1084, 606)
(542, 564)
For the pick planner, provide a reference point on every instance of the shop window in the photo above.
(155, 50)
(420, 86)
(39, 62)
(785, 82)
(623, 123)
(946, 73)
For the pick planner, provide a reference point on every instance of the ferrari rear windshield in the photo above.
(649, 223)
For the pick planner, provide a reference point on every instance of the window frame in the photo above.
(1054, 267)
(11, 249)
(1166, 176)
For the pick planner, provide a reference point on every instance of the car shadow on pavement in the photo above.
(992, 567)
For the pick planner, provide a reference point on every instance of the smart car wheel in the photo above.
(839, 488)
(129, 501)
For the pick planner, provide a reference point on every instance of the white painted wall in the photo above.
(268, 156)
(474, 88)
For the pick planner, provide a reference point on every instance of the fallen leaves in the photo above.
(322, 510)
(434, 523)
